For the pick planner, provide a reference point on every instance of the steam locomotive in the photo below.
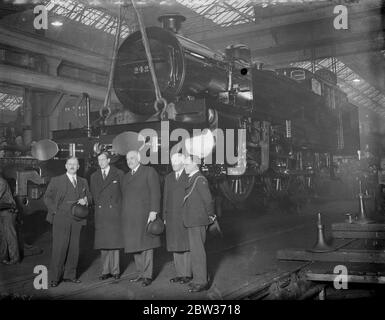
(295, 121)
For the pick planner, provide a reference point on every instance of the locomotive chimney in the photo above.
(171, 21)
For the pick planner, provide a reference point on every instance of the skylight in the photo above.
(223, 13)
(227, 13)
(89, 16)
(10, 102)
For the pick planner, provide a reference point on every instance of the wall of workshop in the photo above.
(372, 132)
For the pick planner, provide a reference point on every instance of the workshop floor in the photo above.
(246, 254)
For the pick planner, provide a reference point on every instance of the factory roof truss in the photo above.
(10, 102)
(226, 13)
(86, 14)
(359, 91)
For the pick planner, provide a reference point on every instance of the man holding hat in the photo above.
(140, 206)
(62, 193)
(107, 195)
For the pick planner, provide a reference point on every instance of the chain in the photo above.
(106, 105)
(158, 95)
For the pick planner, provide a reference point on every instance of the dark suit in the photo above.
(107, 197)
(198, 206)
(176, 232)
(59, 197)
(141, 194)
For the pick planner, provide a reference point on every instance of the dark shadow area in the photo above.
(30, 228)
(33, 226)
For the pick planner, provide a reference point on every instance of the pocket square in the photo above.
(115, 181)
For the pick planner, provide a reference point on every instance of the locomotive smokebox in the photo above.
(171, 21)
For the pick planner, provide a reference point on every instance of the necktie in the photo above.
(104, 174)
(177, 175)
(74, 181)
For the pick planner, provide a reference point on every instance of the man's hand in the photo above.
(83, 201)
(151, 216)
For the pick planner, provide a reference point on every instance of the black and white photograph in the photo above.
(203, 151)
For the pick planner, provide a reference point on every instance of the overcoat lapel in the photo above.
(175, 183)
(190, 180)
(105, 183)
(134, 176)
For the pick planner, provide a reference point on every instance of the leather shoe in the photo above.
(137, 279)
(184, 280)
(72, 280)
(116, 276)
(198, 287)
(146, 282)
(176, 279)
(54, 284)
(105, 276)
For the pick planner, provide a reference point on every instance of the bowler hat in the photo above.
(79, 212)
(155, 227)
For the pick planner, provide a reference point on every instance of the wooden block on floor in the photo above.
(344, 226)
(376, 279)
(358, 234)
(367, 256)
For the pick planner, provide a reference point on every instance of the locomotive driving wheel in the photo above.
(237, 189)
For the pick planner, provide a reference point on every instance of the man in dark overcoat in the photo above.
(198, 213)
(176, 232)
(9, 246)
(107, 197)
(62, 192)
(140, 206)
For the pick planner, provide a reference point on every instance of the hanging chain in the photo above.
(107, 99)
(158, 95)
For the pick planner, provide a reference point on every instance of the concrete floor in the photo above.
(245, 255)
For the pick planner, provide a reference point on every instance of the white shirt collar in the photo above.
(194, 172)
(135, 169)
(106, 170)
(178, 173)
(71, 176)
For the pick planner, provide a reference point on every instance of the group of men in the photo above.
(124, 206)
